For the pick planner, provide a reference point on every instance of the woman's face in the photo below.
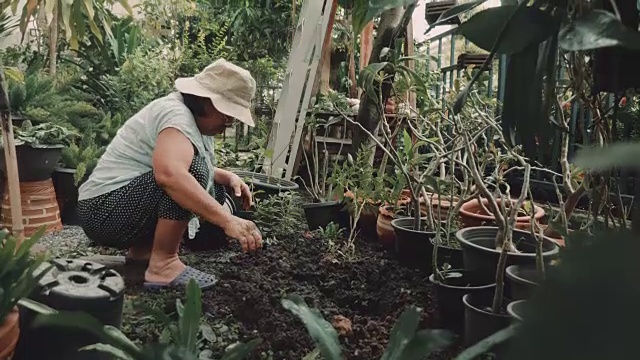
(213, 122)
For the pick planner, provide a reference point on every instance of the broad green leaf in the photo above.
(120, 339)
(108, 349)
(615, 155)
(36, 306)
(190, 320)
(366, 10)
(321, 331)
(402, 332)
(425, 342)
(528, 26)
(488, 343)
(462, 96)
(241, 351)
(597, 29)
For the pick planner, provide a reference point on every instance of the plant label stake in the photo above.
(11, 159)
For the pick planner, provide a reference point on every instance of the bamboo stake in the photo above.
(11, 160)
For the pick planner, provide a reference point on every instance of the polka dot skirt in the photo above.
(128, 216)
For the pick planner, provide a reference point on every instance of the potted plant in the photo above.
(366, 188)
(484, 247)
(38, 149)
(75, 166)
(16, 281)
(323, 209)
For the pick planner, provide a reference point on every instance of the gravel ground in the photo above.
(71, 242)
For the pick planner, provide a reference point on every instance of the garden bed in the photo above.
(371, 293)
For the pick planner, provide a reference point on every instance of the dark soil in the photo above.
(371, 292)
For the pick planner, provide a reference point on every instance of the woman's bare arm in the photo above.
(172, 158)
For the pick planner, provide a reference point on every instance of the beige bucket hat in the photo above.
(230, 88)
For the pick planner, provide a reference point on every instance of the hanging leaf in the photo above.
(455, 11)
(365, 11)
(597, 29)
(615, 155)
(525, 27)
(320, 330)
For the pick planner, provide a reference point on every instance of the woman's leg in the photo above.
(143, 218)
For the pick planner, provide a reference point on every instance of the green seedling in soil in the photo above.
(278, 216)
(184, 339)
(331, 232)
(405, 343)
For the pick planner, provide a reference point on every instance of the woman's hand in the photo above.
(245, 231)
(241, 189)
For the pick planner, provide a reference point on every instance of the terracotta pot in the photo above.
(369, 214)
(9, 333)
(384, 230)
(444, 202)
(557, 238)
(472, 214)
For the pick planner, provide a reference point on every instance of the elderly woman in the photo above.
(158, 173)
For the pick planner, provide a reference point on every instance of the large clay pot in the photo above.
(9, 333)
(443, 202)
(384, 230)
(472, 214)
(368, 216)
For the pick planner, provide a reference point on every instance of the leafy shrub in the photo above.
(146, 75)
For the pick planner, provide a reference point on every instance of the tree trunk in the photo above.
(53, 42)
(393, 22)
(353, 87)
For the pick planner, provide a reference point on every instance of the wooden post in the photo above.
(324, 59)
(366, 45)
(326, 49)
(11, 160)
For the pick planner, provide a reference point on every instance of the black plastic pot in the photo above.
(449, 295)
(523, 281)
(77, 286)
(414, 247)
(479, 253)
(449, 255)
(67, 194)
(265, 185)
(321, 214)
(517, 310)
(480, 321)
(411, 247)
(34, 163)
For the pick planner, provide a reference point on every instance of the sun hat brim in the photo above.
(189, 85)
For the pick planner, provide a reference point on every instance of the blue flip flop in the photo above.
(204, 280)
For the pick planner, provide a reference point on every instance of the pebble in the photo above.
(70, 242)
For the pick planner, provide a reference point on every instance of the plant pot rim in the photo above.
(386, 210)
(65, 170)
(474, 308)
(511, 309)
(396, 224)
(460, 235)
(320, 204)
(267, 181)
(432, 279)
(467, 206)
(513, 275)
(56, 146)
